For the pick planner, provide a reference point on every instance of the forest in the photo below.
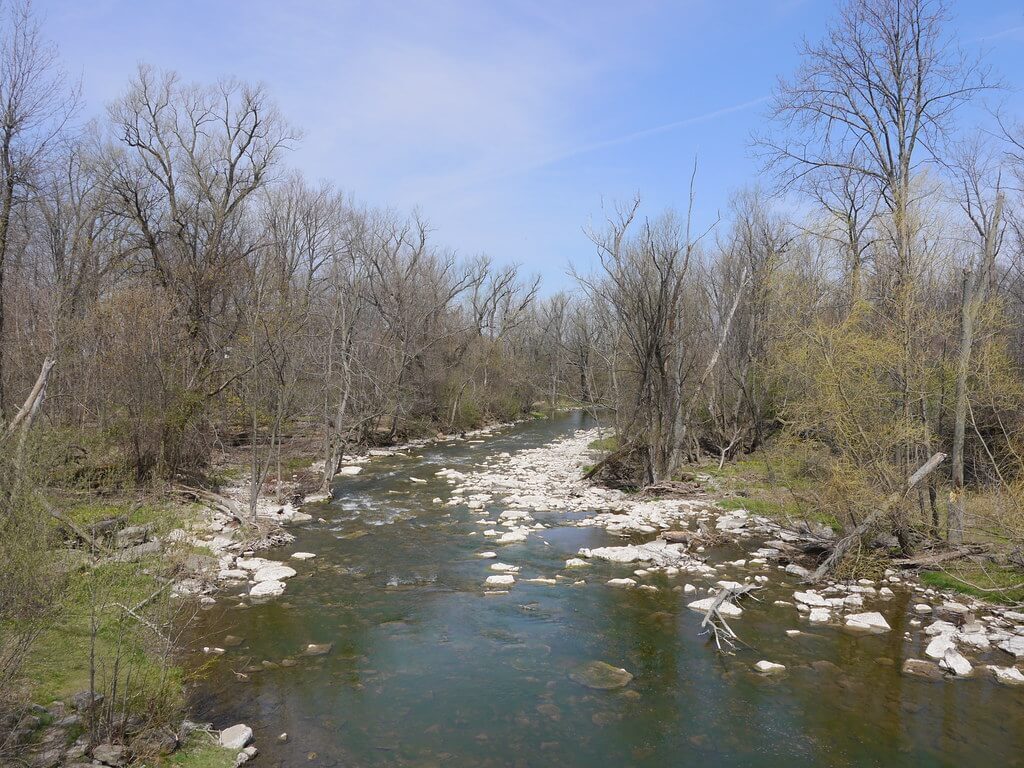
(181, 312)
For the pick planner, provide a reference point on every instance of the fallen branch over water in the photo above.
(715, 621)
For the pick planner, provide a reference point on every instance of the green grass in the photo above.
(607, 444)
(991, 583)
(201, 752)
(59, 662)
(163, 515)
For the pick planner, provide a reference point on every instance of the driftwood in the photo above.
(93, 542)
(673, 488)
(229, 507)
(926, 560)
(716, 623)
(845, 544)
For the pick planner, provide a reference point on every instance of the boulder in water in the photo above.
(600, 675)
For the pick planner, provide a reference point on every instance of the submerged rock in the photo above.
(318, 649)
(922, 668)
(600, 675)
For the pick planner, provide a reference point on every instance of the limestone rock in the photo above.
(236, 737)
(870, 621)
(267, 589)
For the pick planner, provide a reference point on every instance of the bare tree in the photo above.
(36, 102)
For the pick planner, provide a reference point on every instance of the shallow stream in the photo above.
(427, 670)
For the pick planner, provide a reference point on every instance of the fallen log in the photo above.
(929, 559)
(228, 506)
(845, 544)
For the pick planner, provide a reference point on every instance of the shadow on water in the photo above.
(426, 671)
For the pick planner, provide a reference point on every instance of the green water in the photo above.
(427, 671)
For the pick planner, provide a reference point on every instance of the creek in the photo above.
(426, 669)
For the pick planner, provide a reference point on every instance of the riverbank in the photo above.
(170, 558)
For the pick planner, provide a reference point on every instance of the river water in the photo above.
(426, 670)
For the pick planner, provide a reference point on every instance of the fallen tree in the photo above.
(846, 543)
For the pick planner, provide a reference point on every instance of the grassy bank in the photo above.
(113, 629)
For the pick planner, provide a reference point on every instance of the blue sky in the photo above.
(507, 123)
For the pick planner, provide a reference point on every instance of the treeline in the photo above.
(877, 325)
(192, 290)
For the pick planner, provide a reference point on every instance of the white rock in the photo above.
(500, 580)
(1007, 675)
(621, 582)
(977, 640)
(726, 608)
(769, 667)
(273, 573)
(267, 589)
(349, 471)
(236, 737)
(689, 589)
(512, 537)
(1014, 645)
(417, 480)
(303, 555)
(940, 627)
(810, 598)
(504, 568)
(954, 661)
(576, 562)
(487, 555)
(820, 616)
(939, 645)
(871, 620)
(923, 608)
(797, 570)
(253, 563)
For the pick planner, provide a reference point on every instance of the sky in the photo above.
(508, 124)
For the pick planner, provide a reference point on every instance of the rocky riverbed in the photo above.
(475, 603)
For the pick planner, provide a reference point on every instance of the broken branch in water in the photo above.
(715, 621)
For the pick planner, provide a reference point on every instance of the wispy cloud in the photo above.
(1013, 32)
(656, 130)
